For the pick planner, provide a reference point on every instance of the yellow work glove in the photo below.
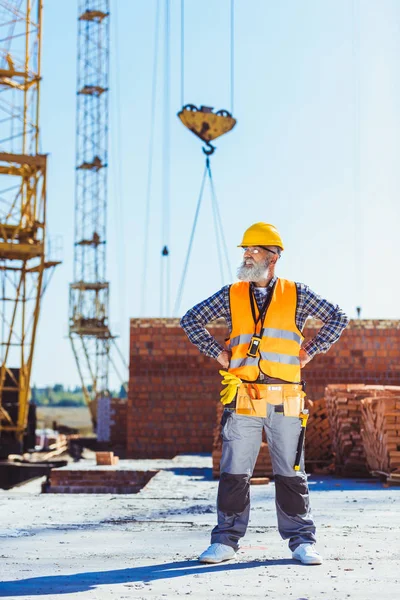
(232, 383)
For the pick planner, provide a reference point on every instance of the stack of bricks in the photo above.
(344, 410)
(97, 480)
(173, 390)
(380, 432)
(263, 466)
(318, 444)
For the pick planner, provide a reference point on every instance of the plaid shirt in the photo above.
(309, 304)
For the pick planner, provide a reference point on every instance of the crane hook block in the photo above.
(206, 124)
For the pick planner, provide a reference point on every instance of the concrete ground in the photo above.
(145, 545)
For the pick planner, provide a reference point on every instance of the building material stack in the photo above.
(365, 421)
(319, 452)
(344, 410)
(381, 428)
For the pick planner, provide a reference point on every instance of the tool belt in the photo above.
(252, 398)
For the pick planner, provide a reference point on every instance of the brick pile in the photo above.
(344, 410)
(380, 431)
(98, 480)
(263, 465)
(318, 443)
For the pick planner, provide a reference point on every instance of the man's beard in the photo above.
(254, 272)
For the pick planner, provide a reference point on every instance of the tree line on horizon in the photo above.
(60, 395)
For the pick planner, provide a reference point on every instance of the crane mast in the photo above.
(89, 293)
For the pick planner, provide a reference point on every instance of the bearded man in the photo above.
(264, 356)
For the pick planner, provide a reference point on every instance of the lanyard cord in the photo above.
(262, 313)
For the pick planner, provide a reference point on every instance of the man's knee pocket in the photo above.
(233, 493)
(292, 494)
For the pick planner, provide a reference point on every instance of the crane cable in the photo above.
(232, 54)
(165, 261)
(218, 233)
(150, 164)
(358, 213)
(182, 52)
(218, 226)
(196, 216)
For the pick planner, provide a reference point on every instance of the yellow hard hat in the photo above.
(262, 234)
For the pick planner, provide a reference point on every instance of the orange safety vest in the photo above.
(278, 352)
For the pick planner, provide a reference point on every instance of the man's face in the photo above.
(256, 262)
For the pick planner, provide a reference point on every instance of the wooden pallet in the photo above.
(389, 479)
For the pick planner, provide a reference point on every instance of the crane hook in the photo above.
(209, 150)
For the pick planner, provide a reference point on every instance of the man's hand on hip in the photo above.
(224, 358)
(304, 358)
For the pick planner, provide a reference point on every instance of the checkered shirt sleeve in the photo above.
(309, 304)
(195, 320)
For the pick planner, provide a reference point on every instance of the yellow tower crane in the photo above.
(23, 262)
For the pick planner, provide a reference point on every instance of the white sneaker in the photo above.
(307, 554)
(217, 553)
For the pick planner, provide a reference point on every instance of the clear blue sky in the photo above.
(315, 152)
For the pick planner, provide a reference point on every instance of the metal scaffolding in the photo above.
(22, 212)
(89, 293)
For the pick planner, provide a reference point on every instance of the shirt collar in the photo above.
(269, 286)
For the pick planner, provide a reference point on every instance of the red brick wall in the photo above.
(173, 389)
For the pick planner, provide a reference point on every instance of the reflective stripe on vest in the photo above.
(280, 345)
(245, 338)
(270, 356)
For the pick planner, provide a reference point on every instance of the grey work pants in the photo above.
(241, 441)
